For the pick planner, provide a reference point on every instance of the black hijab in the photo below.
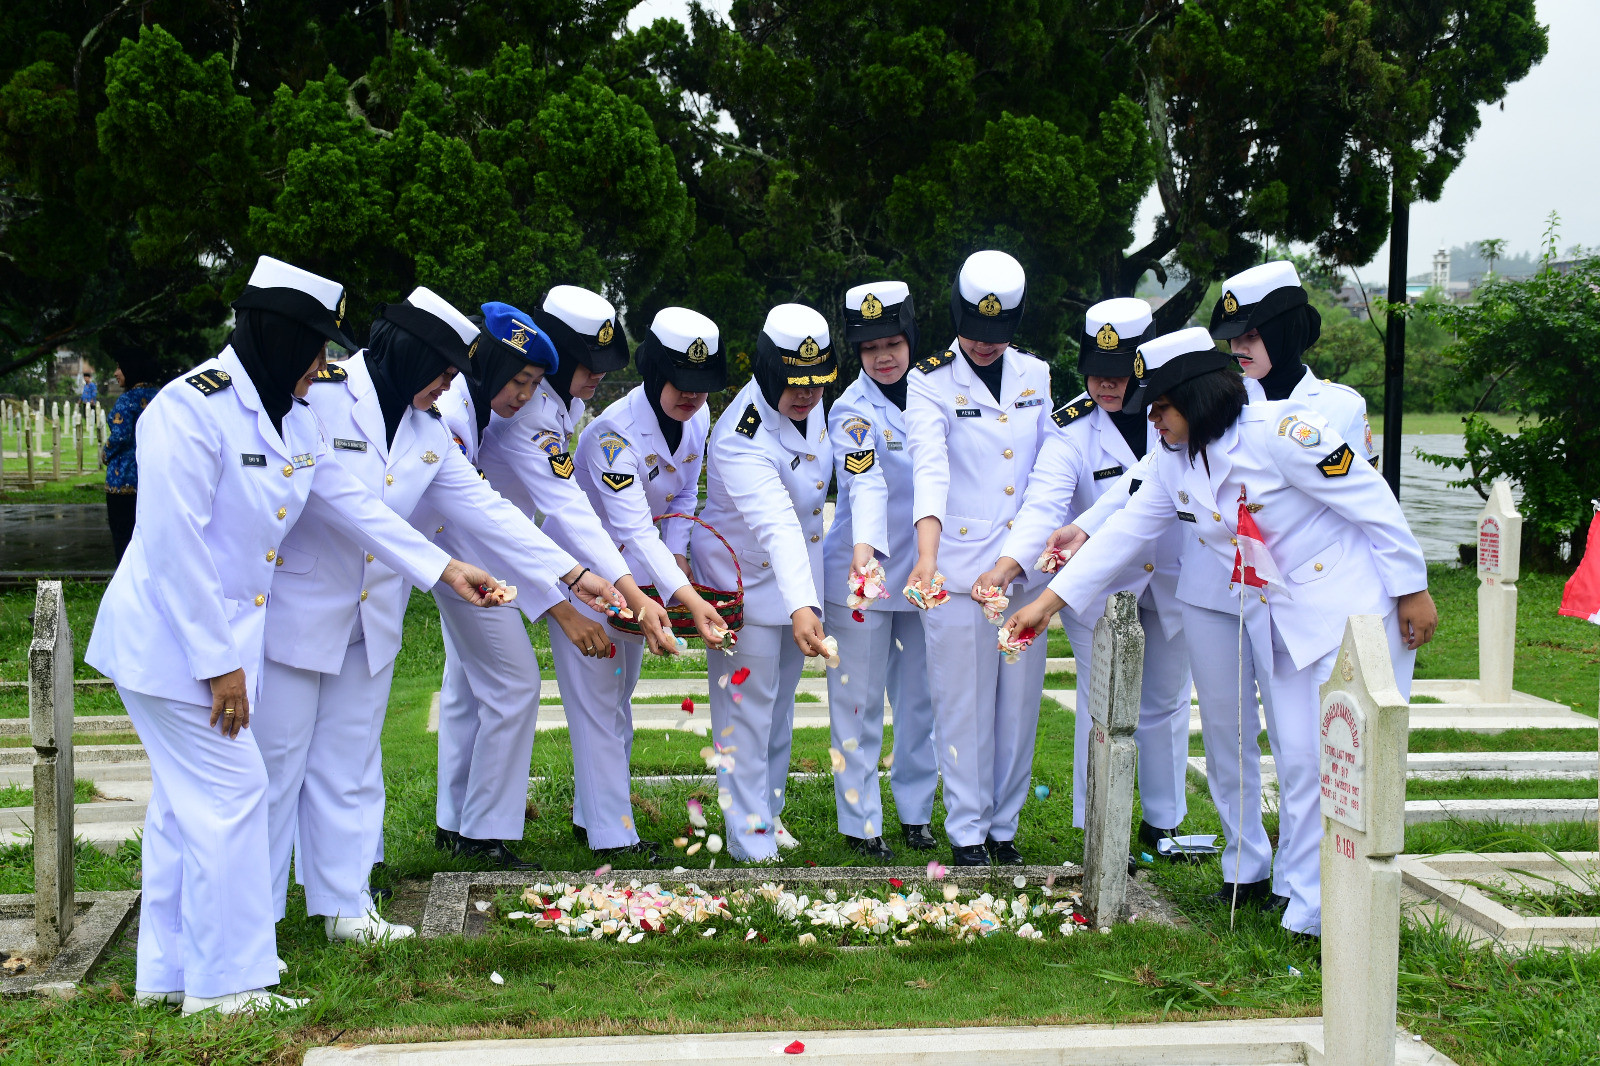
(276, 352)
(497, 365)
(1133, 425)
(990, 375)
(654, 363)
(1286, 337)
(402, 365)
(138, 364)
(896, 393)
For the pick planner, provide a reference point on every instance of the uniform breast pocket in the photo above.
(296, 563)
(755, 560)
(967, 528)
(1319, 565)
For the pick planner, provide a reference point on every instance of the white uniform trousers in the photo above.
(1163, 734)
(488, 711)
(597, 696)
(763, 731)
(885, 653)
(205, 913)
(320, 735)
(1289, 703)
(986, 716)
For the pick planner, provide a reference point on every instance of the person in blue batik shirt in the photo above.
(139, 376)
(91, 391)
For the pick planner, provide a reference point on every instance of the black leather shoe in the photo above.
(1004, 852)
(445, 839)
(969, 855)
(1276, 904)
(645, 851)
(495, 853)
(580, 832)
(918, 837)
(379, 895)
(1251, 893)
(1151, 836)
(871, 847)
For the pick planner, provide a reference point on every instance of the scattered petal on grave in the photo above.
(724, 798)
(850, 744)
(602, 871)
(952, 753)
(795, 1048)
(1020, 881)
(866, 827)
(738, 697)
(936, 872)
(951, 892)
(696, 846)
(728, 732)
(627, 822)
(713, 843)
(1042, 791)
(687, 705)
(740, 675)
(852, 796)
(888, 760)
(722, 682)
(482, 905)
(837, 758)
(497, 979)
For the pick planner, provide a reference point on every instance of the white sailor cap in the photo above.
(986, 300)
(689, 346)
(795, 337)
(878, 309)
(1255, 296)
(287, 290)
(1162, 362)
(585, 328)
(430, 318)
(1112, 332)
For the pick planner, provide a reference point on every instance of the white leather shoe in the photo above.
(786, 840)
(157, 999)
(256, 1000)
(367, 929)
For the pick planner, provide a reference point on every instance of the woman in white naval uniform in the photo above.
(640, 458)
(766, 480)
(1100, 438)
(881, 647)
(489, 698)
(230, 459)
(1335, 532)
(977, 416)
(323, 705)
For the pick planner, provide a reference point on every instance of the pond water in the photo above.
(1441, 517)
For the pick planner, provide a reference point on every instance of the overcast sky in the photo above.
(1537, 151)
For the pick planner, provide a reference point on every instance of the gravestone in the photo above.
(50, 714)
(1499, 565)
(1114, 705)
(1365, 732)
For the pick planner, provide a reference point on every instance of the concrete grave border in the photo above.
(1442, 879)
(100, 919)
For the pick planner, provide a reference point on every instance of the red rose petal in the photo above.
(688, 705)
(858, 616)
(896, 882)
(1080, 919)
(794, 1049)
(741, 675)
(552, 914)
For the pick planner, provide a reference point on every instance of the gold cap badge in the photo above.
(338, 318)
(699, 352)
(1230, 305)
(871, 307)
(989, 306)
(1107, 338)
(606, 333)
(472, 349)
(519, 338)
(1138, 364)
(809, 350)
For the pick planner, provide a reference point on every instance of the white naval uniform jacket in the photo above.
(973, 453)
(1341, 407)
(528, 459)
(765, 487)
(222, 489)
(868, 433)
(630, 476)
(1328, 519)
(1082, 459)
(324, 578)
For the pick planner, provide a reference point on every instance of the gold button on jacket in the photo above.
(1006, 453)
(369, 557)
(1149, 568)
(815, 538)
(272, 553)
(363, 595)
(388, 479)
(260, 600)
(288, 471)
(283, 512)
(1317, 567)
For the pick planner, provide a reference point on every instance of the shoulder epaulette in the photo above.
(934, 362)
(331, 372)
(433, 409)
(210, 381)
(1069, 413)
(749, 422)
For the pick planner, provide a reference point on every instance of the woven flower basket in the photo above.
(729, 604)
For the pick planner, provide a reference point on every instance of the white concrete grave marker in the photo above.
(1366, 726)
(1114, 705)
(1499, 565)
(50, 721)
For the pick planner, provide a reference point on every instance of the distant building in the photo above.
(1441, 269)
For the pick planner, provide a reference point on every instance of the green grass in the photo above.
(1444, 422)
(1499, 788)
(18, 796)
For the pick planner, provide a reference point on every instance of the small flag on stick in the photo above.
(1252, 563)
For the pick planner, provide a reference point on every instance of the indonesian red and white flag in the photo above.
(1252, 563)
(1581, 598)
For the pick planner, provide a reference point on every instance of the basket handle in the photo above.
(738, 572)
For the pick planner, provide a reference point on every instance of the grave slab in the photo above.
(99, 918)
(1113, 755)
(1451, 883)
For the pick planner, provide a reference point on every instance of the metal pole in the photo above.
(1395, 343)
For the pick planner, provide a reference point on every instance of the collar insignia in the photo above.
(430, 457)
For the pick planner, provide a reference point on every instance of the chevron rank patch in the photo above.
(616, 482)
(331, 372)
(934, 362)
(561, 464)
(1337, 462)
(1069, 413)
(210, 381)
(749, 422)
(859, 462)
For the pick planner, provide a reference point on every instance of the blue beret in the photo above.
(516, 331)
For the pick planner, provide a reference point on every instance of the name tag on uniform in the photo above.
(1110, 471)
(654, 470)
(251, 459)
(349, 445)
(1035, 402)
(796, 464)
(1185, 516)
(306, 459)
(968, 412)
(896, 445)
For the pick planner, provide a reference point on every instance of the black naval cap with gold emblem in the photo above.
(1259, 295)
(431, 319)
(1172, 359)
(585, 328)
(987, 297)
(1112, 333)
(880, 309)
(686, 349)
(794, 348)
(299, 295)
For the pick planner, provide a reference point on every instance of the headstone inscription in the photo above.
(1365, 730)
(1499, 565)
(50, 721)
(1114, 705)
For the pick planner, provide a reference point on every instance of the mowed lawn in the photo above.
(1474, 1005)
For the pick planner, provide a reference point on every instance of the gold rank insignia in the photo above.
(699, 351)
(561, 465)
(960, 399)
(859, 462)
(1069, 413)
(1183, 497)
(871, 307)
(430, 457)
(330, 372)
(934, 362)
(606, 333)
(1230, 303)
(616, 482)
(650, 460)
(472, 349)
(1107, 338)
(1254, 507)
(749, 422)
(210, 381)
(1337, 462)
(1138, 365)
(691, 457)
(1026, 392)
(989, 306)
